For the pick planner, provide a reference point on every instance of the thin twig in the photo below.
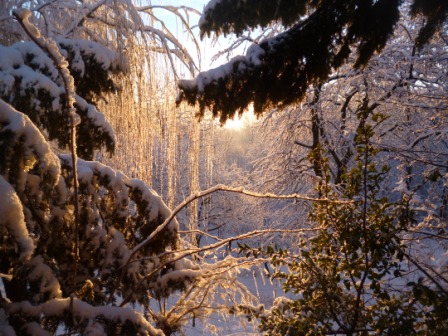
(221, 187)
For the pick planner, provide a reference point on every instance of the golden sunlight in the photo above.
(238, 123)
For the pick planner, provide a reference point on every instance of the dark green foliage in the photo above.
(54, 121)
(88, 134)
(95, 80)
(44, 102)
(59, 272)
(237, 16)
(321, 36)
(348, 278)
(435, 12)
(116, 214)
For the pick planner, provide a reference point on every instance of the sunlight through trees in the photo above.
(300, 189)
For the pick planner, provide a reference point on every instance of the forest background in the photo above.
(337, 194)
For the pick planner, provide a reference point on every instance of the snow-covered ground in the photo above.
(232, 325)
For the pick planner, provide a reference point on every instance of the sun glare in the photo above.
(238, 123)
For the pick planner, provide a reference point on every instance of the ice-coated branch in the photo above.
(221, 187)
(191, 198)
(199, 300)
(188, 305)
(421, 269)
(181, 254)
(226, 241)
(255, 233)
(61, 64)
(183, 54)
(87, 11)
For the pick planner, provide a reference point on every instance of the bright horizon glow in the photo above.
(238, 123)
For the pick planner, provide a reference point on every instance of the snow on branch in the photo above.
(98, 119)
(104, 56)
(221, 187)
(188, 252)
(37, 148)
(14, 220)
(52, 50)
(87, 10)
(183, 53)
(30, 81)
(238, 64)
(210, 270)
(84, 311)
(176, 11)
(165, 35)
(182, 254)
(172, 9)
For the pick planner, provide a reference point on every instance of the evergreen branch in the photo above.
(81, 311)
(52, 50)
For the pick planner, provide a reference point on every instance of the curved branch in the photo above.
(188, 252)
(221, 187)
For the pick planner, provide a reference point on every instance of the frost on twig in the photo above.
(182, 255)
(221, 187)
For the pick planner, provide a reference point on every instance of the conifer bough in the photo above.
(319, 37)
